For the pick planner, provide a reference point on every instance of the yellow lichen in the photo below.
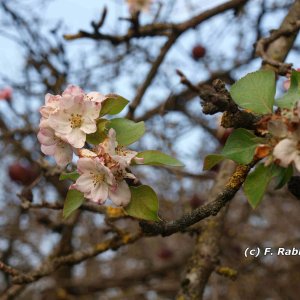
(114, 212)
(227, 272)
(238, 177)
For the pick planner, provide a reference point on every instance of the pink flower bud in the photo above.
(6, 94)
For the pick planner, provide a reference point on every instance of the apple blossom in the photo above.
(94, 179)
(288, 150)
(97, 183)
(53, 145)
(74, 119)
(103, 169)
(118, 153)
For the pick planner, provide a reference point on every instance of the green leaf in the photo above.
(255, 91)
(99, 136)
(240, 146)
(211, 160)
(289, 99)
(73, 201)
(71, 176)
(127, 131)
(283, 177)
(143, 203)
(113, 105)
(257, 182)
(157, 158)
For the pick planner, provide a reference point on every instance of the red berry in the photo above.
(198, 52)
(21, 173)
(165, 253)
(196, 201)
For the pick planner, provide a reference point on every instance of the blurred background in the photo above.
(36, 59)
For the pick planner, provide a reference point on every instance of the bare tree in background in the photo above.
(167, 61)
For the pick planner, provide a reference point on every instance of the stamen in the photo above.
(97, 178)
(121, 151)
(75, 120)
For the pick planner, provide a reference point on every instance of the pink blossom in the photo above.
(120, 193)
(6, 93)
(95, 97)
(74, 119)
(119, 154)
(53, 145)
(105, 155)
(51, 105)
(97, 183)
(94, 179)
(73, 90)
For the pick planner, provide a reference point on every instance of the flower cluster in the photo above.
(66, 121)
(103, 172)
(284, 126)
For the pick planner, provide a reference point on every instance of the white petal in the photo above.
(86, 165)
(46, 136)
(76, 138)
(92, 109)
(100, 193)
(63, 155)
(86, 153)
(59, 121)
(285, 151)
(48, 150)
(73, 90)
(84, 183)
(71, 104)
(96, 97)
(89, 125)
(121, 195)
(46, 111)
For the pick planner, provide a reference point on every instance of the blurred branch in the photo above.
(206, 252)
(76, 257)
(262, 46)
(281, 41)
(155, 29)
(110, 212)
(8, 270)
